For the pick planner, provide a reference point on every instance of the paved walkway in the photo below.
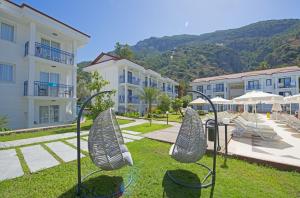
(41, 156)
(284, 149)
(170, 134)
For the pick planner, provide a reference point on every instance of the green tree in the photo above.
(263, 65)
(3, 123)
(177, 104)
(186, 100)
(82, 90)
(102, 101)
(164, 103)
(149, 95)
(123, 51)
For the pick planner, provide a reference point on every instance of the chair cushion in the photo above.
(171, 149)
(123, 148)
(128, 158)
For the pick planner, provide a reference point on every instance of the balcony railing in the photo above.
(130, 99)
(218, 89)
(253, 87)
(153, 84)
(133, 80)
(286, 85)
(50, 89)
(51, 53)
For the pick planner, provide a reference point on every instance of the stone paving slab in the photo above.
(10, 166)
(63, 151)
(133, 137)
(86, 138)
(83, 144)
(47, 138)
(37, 158)
(127, 140)
(131, 132)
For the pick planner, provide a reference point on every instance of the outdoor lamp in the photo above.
(167, 117)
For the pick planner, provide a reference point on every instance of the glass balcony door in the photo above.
(48, 114)
(51, 49)
(50, 84)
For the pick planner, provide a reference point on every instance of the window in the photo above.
(49, 84)
(49, 114)
(269, 82)
(254, 84)
(6, 73)
(208, 87)
(219, 87)
(7, 32)
(285, 93)
(200, 88)
(285, 82)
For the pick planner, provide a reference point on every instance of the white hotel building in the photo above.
(128, 79)
(282, 81)
(37, 67)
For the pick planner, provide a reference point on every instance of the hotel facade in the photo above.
(129, 79)
(37, 67)
(283, 81)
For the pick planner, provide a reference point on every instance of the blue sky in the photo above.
(129, 21)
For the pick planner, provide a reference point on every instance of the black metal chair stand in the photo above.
(80, 187)
(211, 170)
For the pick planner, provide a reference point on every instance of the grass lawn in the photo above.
(124, 121)
(84, 126)
(146, 128)
(172, 118)
(239, 179)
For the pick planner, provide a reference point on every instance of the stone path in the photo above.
(63, 151)
(37, 158)
(47, 138)
(10, 166)
(83, 144)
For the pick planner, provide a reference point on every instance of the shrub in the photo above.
(201, 112)
(3, 123)
(132, 114)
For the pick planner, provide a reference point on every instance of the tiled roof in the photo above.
(251, 73)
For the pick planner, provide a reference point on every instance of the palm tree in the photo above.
(149, 95)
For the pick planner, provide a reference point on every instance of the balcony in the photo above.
(153, 84)
(286, 85)
(50, 53)
(133, 80)
(218, 89)
(50, 89)
(130, 99)
(253, 87)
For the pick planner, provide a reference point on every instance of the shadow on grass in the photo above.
(102, 186)
(173, 190)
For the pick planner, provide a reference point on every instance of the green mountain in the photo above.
(186, 57)
(274, 43)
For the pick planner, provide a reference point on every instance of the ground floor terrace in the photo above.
(45, 165)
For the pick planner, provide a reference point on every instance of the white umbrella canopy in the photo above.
(198, 101)
(255, 97)
(220, 100)
(292, 99)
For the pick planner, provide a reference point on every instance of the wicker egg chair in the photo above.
(106, 148)
(190, 146)
(106, 145)
(191, 141)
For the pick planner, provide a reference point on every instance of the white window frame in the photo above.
(13, 73)
(15, 30)
(49, 114)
